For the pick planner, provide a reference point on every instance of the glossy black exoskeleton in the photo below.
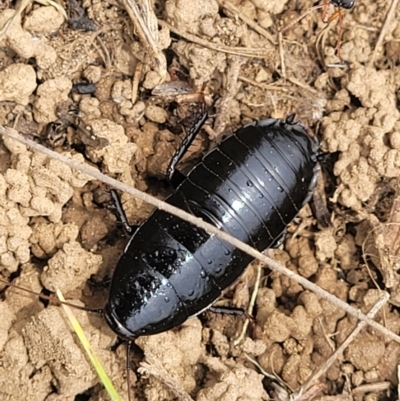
(251, 186)
(343, 3)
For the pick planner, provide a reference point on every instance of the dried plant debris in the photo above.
(380, 237)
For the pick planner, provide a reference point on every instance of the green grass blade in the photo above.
(112, 392)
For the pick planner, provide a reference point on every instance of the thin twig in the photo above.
(320, 45)
(264, 372)
(328, 340)
(389, 17)
(252, 302)
(198, 222)
(302, 85)
(371, 388)
(106, 57)
(136, 80)
(282, 55)
(328, 363)
(272, 87)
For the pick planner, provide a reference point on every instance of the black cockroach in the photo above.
(339, 6)
(251, 186)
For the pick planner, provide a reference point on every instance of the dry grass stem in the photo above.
(302, 85)
(272, 87)
(135, 81)
(250, 308)
(382, 245)
(388, 20)
(282, 55)
(322, 369)
(371, 388)
(145, 22)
